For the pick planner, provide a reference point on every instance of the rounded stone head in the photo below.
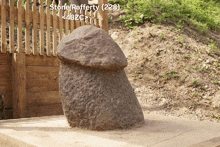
(91, 47)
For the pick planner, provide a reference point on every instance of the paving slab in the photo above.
(158, 131)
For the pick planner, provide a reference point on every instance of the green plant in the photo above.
(180, 39)
(155, 62)
(195, 68)
(165, 77)
(171, 28)
(186, 56)
(23, 30)
(202, 15)
(140, 77)
(204, 68)
(187, 69)
(156, 53)
(172, 72)
(213, 46)
(158, 26)
(161, 36)
(109, 20)
(134, 47)
(140, 40)
(195, 82)
(183, 80)
(133, 34)
(139, 71)
(174, 75)
(195, 94)
(215, 82)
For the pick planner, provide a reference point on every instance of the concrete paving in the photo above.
(158, 131)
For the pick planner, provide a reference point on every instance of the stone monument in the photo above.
(93, 86)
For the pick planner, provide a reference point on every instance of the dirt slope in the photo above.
(172, 72)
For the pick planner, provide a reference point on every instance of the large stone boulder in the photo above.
(94, 88)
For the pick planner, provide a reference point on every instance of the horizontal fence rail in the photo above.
(46, 26)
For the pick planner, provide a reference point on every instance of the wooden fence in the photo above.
(28, 74)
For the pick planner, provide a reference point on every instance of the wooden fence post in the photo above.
(19, 85)
(103, 15)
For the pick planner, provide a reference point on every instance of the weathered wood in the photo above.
(95, 19)
(8, 114)
(5, 58)
(6, 88)
(3, 28)
(47, 110)
(11, 26)
(5, 72)
(19, 33)
(77, 21)
(43, 98)
(48, 28)
(72, 24)
(87, 20)
(8, 102)
(27, 28)
(5, 81)
(91, 18)
(42, 84)
(19, 85)
(54, 31)
(34, 28)
(37, 14)
(41, 30)
(66, 21)
(32, 60)
(42, 72)
(103, 16)
(60, 23)
(82, 21)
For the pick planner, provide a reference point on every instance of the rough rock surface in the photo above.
(93, 96)
(91, 46)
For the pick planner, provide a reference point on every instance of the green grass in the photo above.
(186, 56)
(187, 69)
(180, 39)
(161, 36)
(195, 82)
(174, 75)
(200, 14)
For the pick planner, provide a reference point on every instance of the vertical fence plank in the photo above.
(95, 19)
(66, 21)
(3, 27)
(27, 28)
(41, 31)
(82, 14)
(34, 28)
(19, 85)
(54, 31)
(103, 15)
(87, 20)
(72, 23)
(11, 26)
(91, 18)
(60, 23)
(19, 33)
(77, 21)
(48, 28)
